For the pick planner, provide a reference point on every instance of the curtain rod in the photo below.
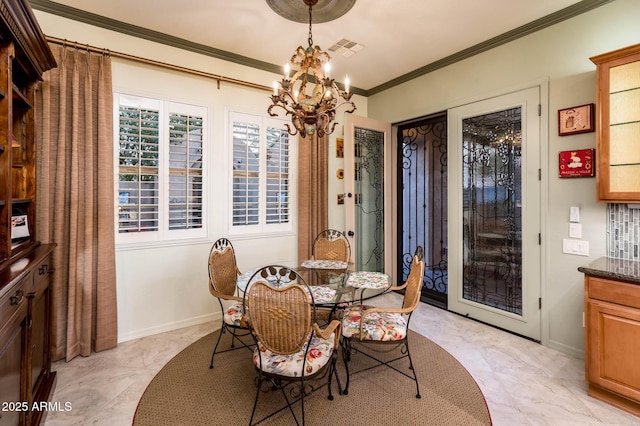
(219, 78)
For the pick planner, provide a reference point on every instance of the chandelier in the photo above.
(310, 96)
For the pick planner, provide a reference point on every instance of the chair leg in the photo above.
(301, 401)
(255, 402)
(222, 330)
(289, 404)
(234, 337)
(415, 376)
(346, 357)
(332, 371)
(335, 371)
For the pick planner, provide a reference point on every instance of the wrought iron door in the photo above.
(422, 205)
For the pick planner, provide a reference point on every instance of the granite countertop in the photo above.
(613, 269)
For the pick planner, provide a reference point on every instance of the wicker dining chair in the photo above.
(223, 275)
(331, 244)
(282, 315)
(367, 325)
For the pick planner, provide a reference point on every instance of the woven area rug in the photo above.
(187, 392)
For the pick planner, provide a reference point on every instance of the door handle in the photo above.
(349, 195)
(351, 233)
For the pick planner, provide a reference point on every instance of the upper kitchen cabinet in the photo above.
(618, 125)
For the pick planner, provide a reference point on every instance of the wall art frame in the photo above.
(577, 163)
(577, 119)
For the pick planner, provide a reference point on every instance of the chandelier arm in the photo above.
(289, 130)
(350, 111)
(297, 76)
(274, 114)
(333, 127)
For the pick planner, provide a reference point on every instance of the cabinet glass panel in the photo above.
(624, 128)
(624, 107)
(624, 178)
(624, 77)
(624, 144)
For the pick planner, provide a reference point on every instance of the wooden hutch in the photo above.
(26, 379)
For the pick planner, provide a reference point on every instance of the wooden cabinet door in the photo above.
(613, 345)
(12, 340)
(38, 342)
(618, 125)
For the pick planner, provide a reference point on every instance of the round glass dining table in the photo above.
(332, 283)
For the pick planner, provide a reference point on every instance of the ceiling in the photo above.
(401, 38)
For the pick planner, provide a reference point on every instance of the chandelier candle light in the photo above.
(314, 112)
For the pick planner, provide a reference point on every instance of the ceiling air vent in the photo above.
(346, 47)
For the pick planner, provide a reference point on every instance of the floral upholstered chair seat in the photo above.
(290, 365)
(325, 264)
(322, 294)
(365, 279)
(233, 314)
(380, 326)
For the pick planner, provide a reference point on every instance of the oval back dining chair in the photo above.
(223, 275)
(366, 325)
(331, 244)
(281, 311)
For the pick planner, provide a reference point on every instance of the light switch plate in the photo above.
(576, 247)
(574, 214)
(575, 230)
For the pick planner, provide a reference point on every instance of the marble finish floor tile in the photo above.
(524, 383)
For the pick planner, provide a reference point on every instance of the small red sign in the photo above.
(578, 163)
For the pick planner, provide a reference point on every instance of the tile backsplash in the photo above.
(623, 232)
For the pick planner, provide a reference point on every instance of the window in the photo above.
(160, 148)
(262, 175)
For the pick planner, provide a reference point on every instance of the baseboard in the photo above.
(213, 318)
(569, 350)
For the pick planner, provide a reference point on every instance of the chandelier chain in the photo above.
(310, 39)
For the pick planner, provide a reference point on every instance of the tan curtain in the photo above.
(313, 206)
(75, 185)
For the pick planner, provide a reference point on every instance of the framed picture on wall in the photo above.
(578, 119)
(577, 163)
(339, 148)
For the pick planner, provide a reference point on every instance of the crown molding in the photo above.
(524, 30)
(58, 9)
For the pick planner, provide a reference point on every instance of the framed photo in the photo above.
(577, 163)
(579, 119)
(339, 148)
(19, 227)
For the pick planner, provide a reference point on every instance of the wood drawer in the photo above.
(14, 299)
(40, 276)
(614, 292)
(41, 271)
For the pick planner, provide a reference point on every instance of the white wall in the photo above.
(166, 287)
(560, 55)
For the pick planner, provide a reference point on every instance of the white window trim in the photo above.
(262, 228)
(163, 236)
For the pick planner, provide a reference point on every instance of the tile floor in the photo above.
(524, 383)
